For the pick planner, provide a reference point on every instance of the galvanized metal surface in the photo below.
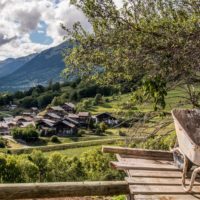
(187, 125)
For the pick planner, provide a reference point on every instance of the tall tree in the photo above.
(153, 38)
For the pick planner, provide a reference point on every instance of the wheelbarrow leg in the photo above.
(194, 174)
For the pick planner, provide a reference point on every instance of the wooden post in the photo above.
(66, 189)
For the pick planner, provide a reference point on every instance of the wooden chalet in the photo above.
(64, 128)
(69, 107)
(84, 118)
(20, 119)
(106, 118)
(46, 126)
(4, 130)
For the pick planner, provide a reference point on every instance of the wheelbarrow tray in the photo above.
(187, 125)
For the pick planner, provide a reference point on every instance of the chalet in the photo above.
(106, 118)
(52, 116)
(69, 107)
(46, 126)
(20, 119)
(65, 128)
(84, 118)
(57, 110)
(4, 130)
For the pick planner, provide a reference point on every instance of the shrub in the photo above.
(103, 127)
(80, 133)
(3, 143)
(55, 139)
(27, 134)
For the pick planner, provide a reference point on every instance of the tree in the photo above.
(151, 38)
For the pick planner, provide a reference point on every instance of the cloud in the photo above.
(20, 18)
(4, 39)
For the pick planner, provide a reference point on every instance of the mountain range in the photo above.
(25, 72)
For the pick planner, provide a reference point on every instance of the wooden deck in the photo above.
(152, 175)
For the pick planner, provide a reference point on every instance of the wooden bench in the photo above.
(151, 174)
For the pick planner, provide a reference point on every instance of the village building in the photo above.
(34, 110)
(106, 118)
(64, 128)
(4, 130)
(84, 118)
(19, 119)
(69, 107)
(73, 116)
(26, 124)
(46, 126)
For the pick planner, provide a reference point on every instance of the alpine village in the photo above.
(100, 99)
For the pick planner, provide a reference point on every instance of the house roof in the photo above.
(105, 113)
(8, 119)
(83, 114)
(48, 122)
(71, 115)
(71, 120)
(68, 124)
(26, 118)
(25, 124)
(55, 116)
(57, 108)
(70, 104)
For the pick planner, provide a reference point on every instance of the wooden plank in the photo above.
(166, 197)
(138, 166)
(160, 189)
(143, 161)
(163, 155)
(157, 181)
(67, 189)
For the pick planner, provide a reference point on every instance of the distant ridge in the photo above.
(40, 69)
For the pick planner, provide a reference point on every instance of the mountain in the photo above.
(10, 65)
(42, 68)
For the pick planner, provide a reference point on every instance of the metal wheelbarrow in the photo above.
(187, 125)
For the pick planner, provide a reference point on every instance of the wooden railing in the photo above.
(66, 189)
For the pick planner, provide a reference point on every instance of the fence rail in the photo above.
(66, 189)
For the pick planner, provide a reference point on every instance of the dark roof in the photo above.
(71, 120)
(68, 124)
(105, 113)
(48, 122)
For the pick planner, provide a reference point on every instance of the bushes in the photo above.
(54, 139)
(3, 143)
(27, 134)
(56, 167)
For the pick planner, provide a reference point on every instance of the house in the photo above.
(12, 107)
(84, 118)
(57, 110)
(106, 118)
(46, 126)
(64, 128)
(69, 107)
(52, 116)
(8, 119)
(4, 130)
(20, 119)
(34, 110)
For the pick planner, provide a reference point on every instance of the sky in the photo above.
(30, 26)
